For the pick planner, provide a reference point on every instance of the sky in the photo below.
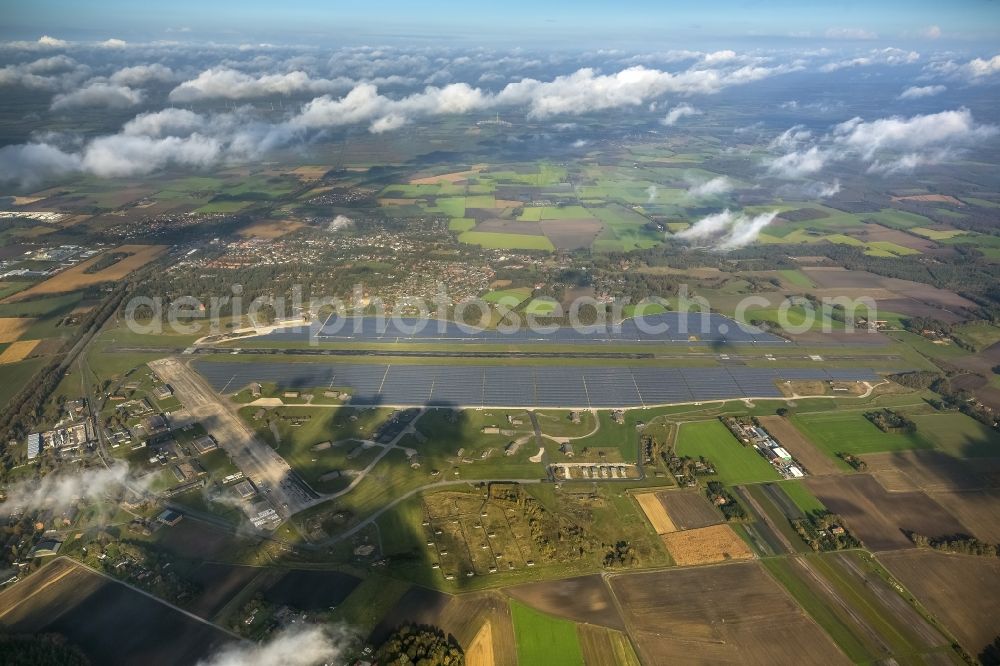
(586, 23)
(123, 89)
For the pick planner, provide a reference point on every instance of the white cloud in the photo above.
(364, 104)
(54, 73)
(799, 163)
(679, 112)
(651, 193)
(850, 34)
(890, 55)
(889, 145)
(140, 74)
(825, 190)
(947, 128)
(584, 90)
(98, 94)
(52, 42)
(27, 165)
(113, 43)
(719, 57)
(295, 646)
(710, 188)
(123, 155)
(59, 490)
(174, 122)
(226, 83)
(916, 92)
(974, 71)
(728, 230)
(791, 137)
(932, 32)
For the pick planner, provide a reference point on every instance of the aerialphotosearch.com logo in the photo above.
(682, 317)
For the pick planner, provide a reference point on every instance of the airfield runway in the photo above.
(258, 461)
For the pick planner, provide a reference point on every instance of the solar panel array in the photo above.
(520, 386)
(665, 327)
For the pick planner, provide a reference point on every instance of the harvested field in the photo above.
(932, 470)
(18, 351)
(583, 599)
(310, 172)
(455, 177)
(838, 277)
(396, 202)
(934, 198)
(219, 583)
(270, 228)
(655, 512)
(979, 510)
(462, 616)
(311, 590)
(501, 226)
(876, 233)
(602, 646)
(196, 540)
(11, 328)
(880, 518)
(913, 308)
(706, 545)
(76, 277)
(729, 614)
(813, 460)
(689, 509)
(480, 651)
(571, 234)
(959, 590)
(111, 623)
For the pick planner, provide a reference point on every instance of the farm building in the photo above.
(34, 445)
(170, 517)
(245, 489)
(46, 548)
(205, 444)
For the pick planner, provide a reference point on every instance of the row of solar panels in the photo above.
(524, 386)
(666, 327)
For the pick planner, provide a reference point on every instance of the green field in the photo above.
(543, 639)
(501, 241)
(540, 307)
(959, 435)
(223, 207)
(734, 462)
(801, 497)
(797, 278)
(461, 224)
(936, 234)
(979, 335)
(10, 287)
(899, 219)
(565, 213)
(451, 206)
(294, 443)
(16, 376)
(508, 297)
(851, 432)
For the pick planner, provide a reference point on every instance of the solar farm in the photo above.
(583, 387)
(668, 327)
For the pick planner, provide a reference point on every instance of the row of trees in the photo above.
(964, 545)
